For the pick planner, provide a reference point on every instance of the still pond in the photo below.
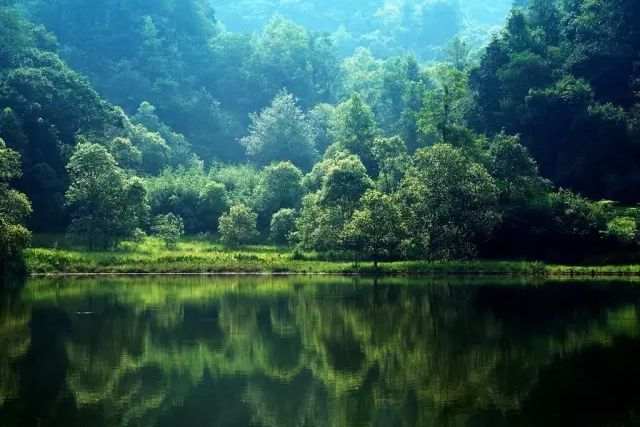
(319, 351)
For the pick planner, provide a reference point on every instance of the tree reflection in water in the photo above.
(302, 351)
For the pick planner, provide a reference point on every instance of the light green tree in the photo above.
(238, 226)
(280, 187)
(376, 228)
(345, 183)
(169, 228)
(105, 205)
(446, 103)
(282, 225)
(325, 212)
(281, 132)
(14, 210)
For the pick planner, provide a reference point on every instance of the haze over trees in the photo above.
(408, 132)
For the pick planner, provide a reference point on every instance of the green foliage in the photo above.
(562, 75)
(345, 182)
(282, 226)
(356, 130)
(449, 203)
(446, 104)
(190, 194)
(321, 120)
(623, 228)
(169, 227)
(393, 160)
(376, 228)
(238, 226)
(280, 187)
(106, 205)
(240, 181)
(320, 226)
(574, 216)
(553, 96)
(280, 133)
(14, 210)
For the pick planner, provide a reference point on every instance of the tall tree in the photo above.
(14, 210)
(281, 132)
(356, 131)
(105, 205)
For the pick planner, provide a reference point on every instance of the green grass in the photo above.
(53, 255)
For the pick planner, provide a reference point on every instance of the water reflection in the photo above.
(318, 352)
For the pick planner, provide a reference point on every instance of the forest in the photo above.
(367, 131)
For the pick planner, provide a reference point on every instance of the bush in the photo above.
(283, 223)
(238, 226)
(623, 229)
(169, 228)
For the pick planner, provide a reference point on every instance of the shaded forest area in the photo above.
(122, 119)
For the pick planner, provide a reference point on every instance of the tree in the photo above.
(280, 187)
(321, 121)
(282, 226)
(238, 226)
(190, 194)
(449, 203)
(393, 160)
(345, 183)
(320, 226)
(446, 104)
(105, 205)
(325, 212)
(376, 228)
(356, 130)
(280, 133)
(169, 228)
(14, 210)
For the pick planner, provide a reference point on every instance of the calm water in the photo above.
(318, 352)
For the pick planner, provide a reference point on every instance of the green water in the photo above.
(259, 351)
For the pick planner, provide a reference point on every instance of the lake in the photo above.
(319, 351)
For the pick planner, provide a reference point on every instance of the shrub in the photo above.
(622, 228)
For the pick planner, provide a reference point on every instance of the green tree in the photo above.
(238, 226)
(280, 133)
(393, 160)
(376, 228)
(280, 187)
(325, 212)
(14, 210)
(449, 203)
(190, 194)
(446, 104)
(345, 183)
(170, 228)
(321, 121)
(356, 130)
(320, 226)
(282, 226)
(106, 206)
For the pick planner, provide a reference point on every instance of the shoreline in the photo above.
(197, 258)
(548, 272)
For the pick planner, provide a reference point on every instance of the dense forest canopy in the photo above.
(396, 129)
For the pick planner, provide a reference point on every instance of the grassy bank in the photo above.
(52, 256)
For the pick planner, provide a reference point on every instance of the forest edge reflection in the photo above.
(317, 351)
